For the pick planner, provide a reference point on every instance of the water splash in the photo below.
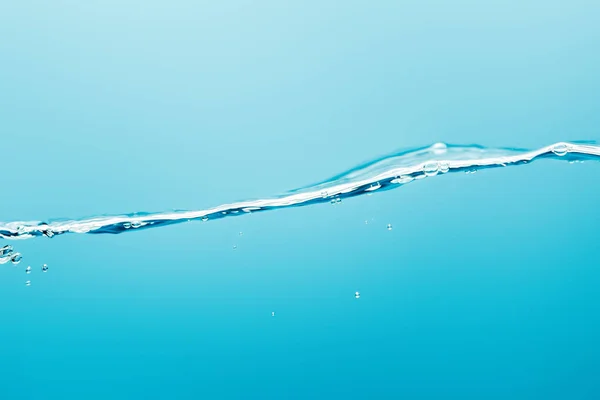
(384, 173)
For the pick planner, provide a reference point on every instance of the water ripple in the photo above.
(384, 173)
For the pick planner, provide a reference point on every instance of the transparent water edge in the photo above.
(384, 173)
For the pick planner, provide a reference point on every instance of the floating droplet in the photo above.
(126, 225)
(27, 283)
(444, 167)
(560, 149)
(357, 295)
(136, 224)
(44, 268)
(16, 258)
(403, 179)
(28, 270)
(431, 168)
(439, 148)
(336, 200)
(204, 219)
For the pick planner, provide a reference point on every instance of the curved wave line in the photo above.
(384, 173)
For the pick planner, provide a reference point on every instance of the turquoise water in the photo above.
(444, 156)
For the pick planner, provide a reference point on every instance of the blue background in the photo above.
(485, 288)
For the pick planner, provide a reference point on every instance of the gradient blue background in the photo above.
(485, 288)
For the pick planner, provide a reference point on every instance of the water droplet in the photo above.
(439, 148)
(560, 149)
(444, 167)
(357, 295)
(136, 224)
(27, 283)
(204, 219)
(16, 258)
(389, 227)
(272, 313)
(403, 179)
(324, 194)
(28, 270)
(431, 168)
(241, 233)
(126, 225)
(336, 200)
(366, 222)
(44, 268)
(235, 246)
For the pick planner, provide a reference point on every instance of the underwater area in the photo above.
(299, 200)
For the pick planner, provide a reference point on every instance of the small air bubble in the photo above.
(444, 167)
(235, 246)
(126, 225)
(389, 227)
(403, 179)
(241, 233)
(357, 295)
(373, 187)
(44, 268)
(204, 219)
(5, 250)
(28, 270)
(136, 224)
(16, 258)
(431, 168)
(272, 313)
(27, 283)
(560, 149)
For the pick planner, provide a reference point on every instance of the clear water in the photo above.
(476, 277)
